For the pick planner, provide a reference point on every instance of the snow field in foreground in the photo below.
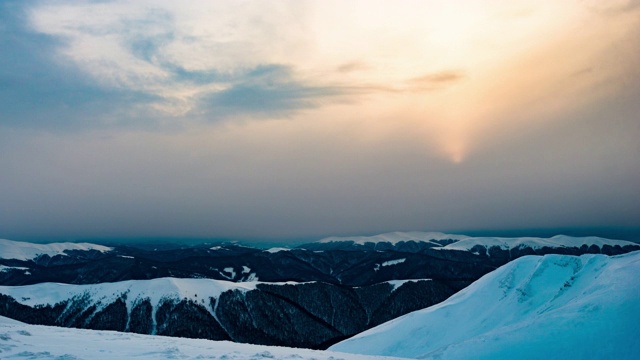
(23, 341)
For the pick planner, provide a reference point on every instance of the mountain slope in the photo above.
(313, 315)
(22, 341)
(395, 237)
(398, 240)
(558, 241)
(534, 307)
(419, 241)
(19, 250)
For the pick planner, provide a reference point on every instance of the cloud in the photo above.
(101, 64)
(615, 7)
(441, 77)
(352, 66)
(39, 91)
(270, 90)
(234, 118)
(162, 49)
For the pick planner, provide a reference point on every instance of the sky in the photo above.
(302, 119)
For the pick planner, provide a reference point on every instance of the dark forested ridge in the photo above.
(336, 263)
(313, 315)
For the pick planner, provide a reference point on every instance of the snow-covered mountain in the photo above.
(554, 306)
(312, 315)
(22, 341)
(132, 291)
(396, 237)
(19, 250)
(556, 242)
(420, 241)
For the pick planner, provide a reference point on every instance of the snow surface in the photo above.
(231, 272)
(555, 306)
(23, 341)
(156, 290)
(397, 283)
(559, 241)
(10, 268)
(277, 249)
(395, 237)
(466, 243)
(7, 321)
(393, 262)
(19, 250)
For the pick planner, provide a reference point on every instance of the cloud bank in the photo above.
(309, 118)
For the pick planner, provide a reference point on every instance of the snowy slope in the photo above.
(19, 250)
(466, 243)
(559, 241)
(308, 315)
(277, 249)
(395, 237)
(556, 306)
(12, 268)
(155, 290)
(22, 341)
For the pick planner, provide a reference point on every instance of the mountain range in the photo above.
(313, 296)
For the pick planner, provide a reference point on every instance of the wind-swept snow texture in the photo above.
(22, 341)
(19, 250)
(550, 307)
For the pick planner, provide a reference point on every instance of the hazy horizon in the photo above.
(303, 119)
(629, 234)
